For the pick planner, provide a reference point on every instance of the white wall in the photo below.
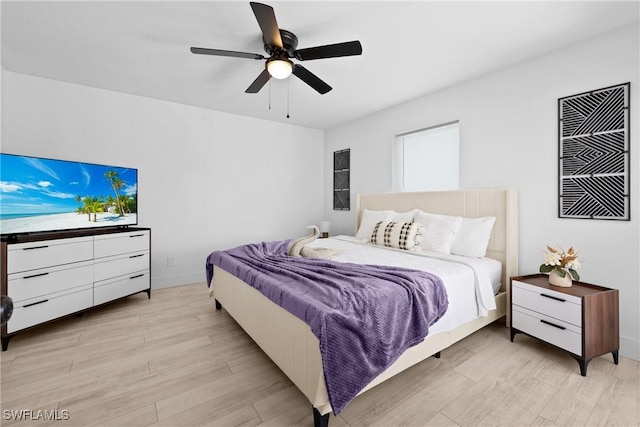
(207, 180)
(508, 132)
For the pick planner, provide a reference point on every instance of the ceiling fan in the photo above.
(281, 46)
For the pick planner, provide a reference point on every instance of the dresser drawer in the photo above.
(561, 306)
(553, 331)
(107, 268)
(37, 283)
(109, 290)
(120, 243)
(51, 307)
(47, 253)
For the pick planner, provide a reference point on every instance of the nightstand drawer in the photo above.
(553, 331)
(567, 308)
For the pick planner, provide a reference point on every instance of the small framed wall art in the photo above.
(341, 171)
(593, 134)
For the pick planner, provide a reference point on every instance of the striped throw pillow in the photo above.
(400, 235)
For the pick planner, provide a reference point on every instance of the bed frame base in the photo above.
(291, 345)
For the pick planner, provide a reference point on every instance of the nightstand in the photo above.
(582, 319)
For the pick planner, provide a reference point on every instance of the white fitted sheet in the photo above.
(470, 282)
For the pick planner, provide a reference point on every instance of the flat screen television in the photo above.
(45, 195)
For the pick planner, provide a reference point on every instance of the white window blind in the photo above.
(428, 159)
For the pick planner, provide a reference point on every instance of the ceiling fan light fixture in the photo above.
(281, 46)
(279, 68)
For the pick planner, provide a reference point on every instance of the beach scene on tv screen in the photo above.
(45, 194)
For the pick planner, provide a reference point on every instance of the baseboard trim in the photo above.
(179, 280)
(630, 348)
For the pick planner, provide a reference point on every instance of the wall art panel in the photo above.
(594, 154)
(341, 177)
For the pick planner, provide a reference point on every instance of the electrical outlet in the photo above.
(171, 262)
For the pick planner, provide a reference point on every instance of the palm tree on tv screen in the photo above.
(86, 204)
(116, 184)
(131, 202)
(96, 205)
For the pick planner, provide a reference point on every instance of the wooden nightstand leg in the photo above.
(615, 356)
(583, 366)
(5, 342)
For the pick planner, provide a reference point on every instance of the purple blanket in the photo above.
(364, 316)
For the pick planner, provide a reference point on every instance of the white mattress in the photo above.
(470, 282)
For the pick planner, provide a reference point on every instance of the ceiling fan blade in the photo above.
(268, 24)
(311, 79)
(259, 82)
(219, 52)
(330, 51)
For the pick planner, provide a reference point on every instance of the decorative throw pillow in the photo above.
(400, 235)
(439, 231)
(369, 220)
(473, 237)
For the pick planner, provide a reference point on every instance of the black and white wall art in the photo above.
(594, 154)
(341, 171)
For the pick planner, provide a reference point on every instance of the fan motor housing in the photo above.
(289, 44)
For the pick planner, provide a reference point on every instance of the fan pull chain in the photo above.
(269, 94)
(288, 80)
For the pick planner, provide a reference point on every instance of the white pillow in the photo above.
(473, 237)
(404, 216)
(400, 235)
(439, 231)
(369, 220)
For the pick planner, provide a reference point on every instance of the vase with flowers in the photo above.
(561, 266)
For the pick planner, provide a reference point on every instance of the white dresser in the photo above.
(582, 319)
(51, 277)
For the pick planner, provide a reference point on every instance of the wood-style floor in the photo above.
(176, 361)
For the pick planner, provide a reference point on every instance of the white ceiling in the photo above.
(409, 48)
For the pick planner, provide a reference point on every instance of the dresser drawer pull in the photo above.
(35, 303)
(552, 324)
(136, 256)
(553, 298)
(135, 277)
(136, 235)
(35, 275)
(35, 247)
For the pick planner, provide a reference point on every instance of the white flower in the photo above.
(552, 258)
(575, 264)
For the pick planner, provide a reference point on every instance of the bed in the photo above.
(289, 341)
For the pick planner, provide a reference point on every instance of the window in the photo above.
(428, 159)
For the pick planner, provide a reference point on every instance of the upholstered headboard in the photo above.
(500, 203)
